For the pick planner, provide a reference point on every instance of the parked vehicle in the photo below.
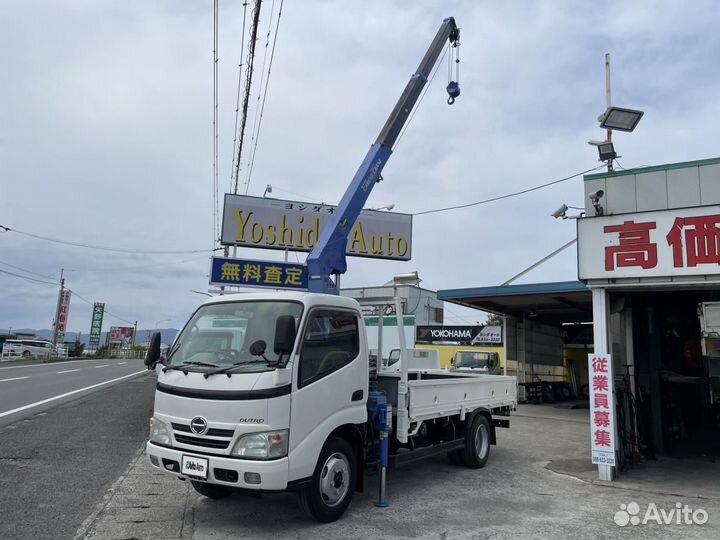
(293, 403)
(475, 362)
(28, 348)
(419, 359)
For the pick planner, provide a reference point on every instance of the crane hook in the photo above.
(453, 90)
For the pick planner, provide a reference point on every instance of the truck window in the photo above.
(331, 341)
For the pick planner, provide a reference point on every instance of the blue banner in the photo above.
(249, 273)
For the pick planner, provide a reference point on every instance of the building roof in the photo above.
(653, 168)
(552, 303)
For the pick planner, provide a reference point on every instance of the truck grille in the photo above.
(224, 436)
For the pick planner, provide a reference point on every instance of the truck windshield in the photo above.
(220, 335)
(473, 360)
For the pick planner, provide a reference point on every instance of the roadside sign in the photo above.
(280, 224)
(63, 315)
(602, 409)
(96, 325)
(251, 273)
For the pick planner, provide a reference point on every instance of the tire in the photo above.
(548, 395)
(26, 354)
(212, 491)
(332, 484)
(585, 391)
(455, 457)
(477, 443)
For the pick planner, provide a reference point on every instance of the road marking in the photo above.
(69, 370)
(45, 364)
(48, 400)
(13, 379)
(121, 363)
(104, 365)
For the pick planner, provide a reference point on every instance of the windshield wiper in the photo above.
(226, 370)
(184, 366)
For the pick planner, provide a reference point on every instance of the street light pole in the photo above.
(608, 99)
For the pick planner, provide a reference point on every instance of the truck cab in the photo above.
(475, 362)
(253, 388)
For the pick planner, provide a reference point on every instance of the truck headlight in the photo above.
(159, 431)
(267, 445)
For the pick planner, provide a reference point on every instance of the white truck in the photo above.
(275, 391)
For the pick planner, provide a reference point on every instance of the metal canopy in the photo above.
(551, 303)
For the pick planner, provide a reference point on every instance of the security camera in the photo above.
(595, 196)
(560, 212)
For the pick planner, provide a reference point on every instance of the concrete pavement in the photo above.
(516, 495)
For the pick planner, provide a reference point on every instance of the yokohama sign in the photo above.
(462, 334)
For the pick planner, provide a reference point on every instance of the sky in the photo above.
(106, 134)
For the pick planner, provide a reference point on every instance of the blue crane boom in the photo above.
(328, 255)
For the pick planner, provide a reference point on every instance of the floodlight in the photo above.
(606, 151)
(621, 119)
(268, 189)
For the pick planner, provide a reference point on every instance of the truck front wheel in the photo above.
(333, 482)
(213, 491)
(477, 443)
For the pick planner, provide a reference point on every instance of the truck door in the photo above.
(331, 384)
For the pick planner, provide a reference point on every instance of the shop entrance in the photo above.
(677, 401)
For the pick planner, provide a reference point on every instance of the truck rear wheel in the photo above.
(333, 482)
(213, 491)
(477, 443)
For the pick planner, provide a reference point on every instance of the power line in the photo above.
(256, 136)
(104, 310)
(108, 248)
(26, 271)
(29, 278)
(508, 195)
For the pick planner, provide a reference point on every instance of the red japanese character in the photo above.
(602, 438)
(702, 240)
(601, 401)
(634, 247)
(601, 419)
(600, 382)
(599, 365)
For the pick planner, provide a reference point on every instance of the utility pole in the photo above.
(57, 308)
(609, 100)
(134, 333)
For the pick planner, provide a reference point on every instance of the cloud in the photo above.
(107, 135)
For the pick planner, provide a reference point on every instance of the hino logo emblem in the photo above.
(198, 425)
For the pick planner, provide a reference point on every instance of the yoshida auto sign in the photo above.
(462, 334)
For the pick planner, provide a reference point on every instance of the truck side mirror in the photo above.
(153, 353)
(284, 334)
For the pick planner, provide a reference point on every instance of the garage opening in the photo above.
(676, 399)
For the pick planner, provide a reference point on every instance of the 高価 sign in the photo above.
(279, 224)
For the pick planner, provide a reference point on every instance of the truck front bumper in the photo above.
(226, 471)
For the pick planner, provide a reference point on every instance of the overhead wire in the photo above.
(507, 195)
(256, 136)
(239, 91)
(25, 270)
(93, 304)
(29, 278)
(107, 248)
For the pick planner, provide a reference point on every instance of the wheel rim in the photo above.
(482, 441)
(335, 479)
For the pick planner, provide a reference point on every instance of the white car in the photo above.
(28, 348)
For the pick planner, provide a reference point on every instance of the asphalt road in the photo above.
(57, 464)
(30, 387)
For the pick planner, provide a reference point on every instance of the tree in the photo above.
(494, 320)
(79, 347)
